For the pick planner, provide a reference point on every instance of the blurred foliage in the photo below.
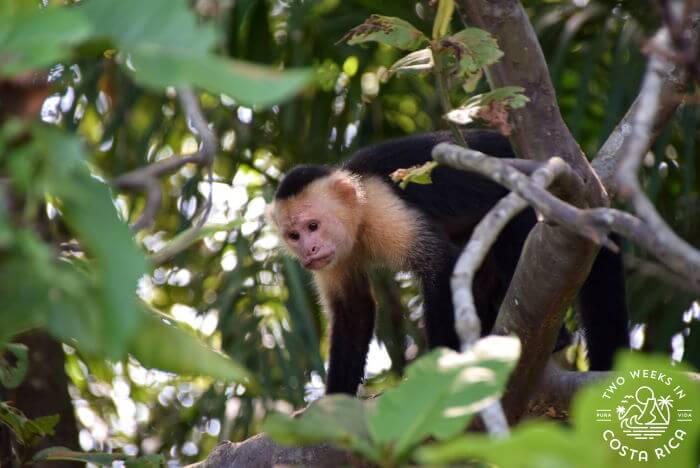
(28, 431)
(381, 430)
(107, 111)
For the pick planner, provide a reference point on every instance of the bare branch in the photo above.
(677, 254)
(146, 178)
(482, 239)
(673, 77)
(550, 207)
(661, 273)
(594, 224)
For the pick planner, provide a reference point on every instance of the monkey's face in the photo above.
(319, 226)
(315, 236)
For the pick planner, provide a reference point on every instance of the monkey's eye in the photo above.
(313, 226)
(293, 236)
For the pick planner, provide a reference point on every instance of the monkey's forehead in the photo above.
(292, 211)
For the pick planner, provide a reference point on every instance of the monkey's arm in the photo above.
(352, 325)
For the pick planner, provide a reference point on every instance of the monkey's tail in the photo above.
(603, 309)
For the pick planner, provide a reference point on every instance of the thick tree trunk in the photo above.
(44, 392)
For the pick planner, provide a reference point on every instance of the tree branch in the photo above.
(146, 178)
(594, 224)
(539, 132)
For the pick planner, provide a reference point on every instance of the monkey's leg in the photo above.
(437, 295)
(351, 332)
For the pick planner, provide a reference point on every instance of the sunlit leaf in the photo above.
(164, 346)
(461, 384)
(538, 444)
(88, 209)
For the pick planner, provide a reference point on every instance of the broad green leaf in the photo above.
(39, 37)
(543, 444)
(460, 385)
(531, 445)
(100, 459)
(338, 419)
(671, 391)
(386, 30)
(247, 83)
(89, 211)
(160, 345)
(12, 376)
(25, 285)
(28, 431)
(134, 23)
(471, 49)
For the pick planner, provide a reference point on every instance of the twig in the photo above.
(146, 178)
(594, 224)
(683, 256)
(660, 272)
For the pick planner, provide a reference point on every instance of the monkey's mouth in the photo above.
(319, 262)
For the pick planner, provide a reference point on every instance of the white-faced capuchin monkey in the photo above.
(339, 222)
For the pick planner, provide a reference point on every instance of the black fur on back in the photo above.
(299, 178)
(453, 193)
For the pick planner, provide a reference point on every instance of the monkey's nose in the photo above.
(314, 249)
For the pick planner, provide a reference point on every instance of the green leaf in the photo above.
(510, 96)
(28, 431)
(135, 23)
(39, 37)
(471, 49)
(460, 385)
(89, 211)
(531, 445)
(386, 30)
(666, 381)
(417, 174)
(543, 444)
(338, 419)
(12, 376)
(160, 345)
(247, 83)
(101, 459)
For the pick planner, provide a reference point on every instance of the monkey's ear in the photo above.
(347, 187)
